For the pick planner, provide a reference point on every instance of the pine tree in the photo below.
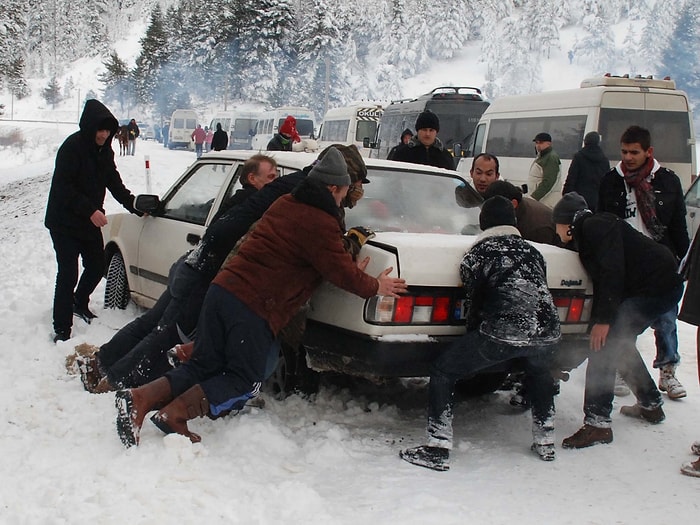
(116, 80)
(52, 92)
(147, 76)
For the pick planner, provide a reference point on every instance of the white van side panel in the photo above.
(350, 125)
(182, 123)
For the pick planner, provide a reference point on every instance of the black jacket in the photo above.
(279, 143)
(83, 173)
(220, 140)
(670, 206)
(436, 155)
(587, 167)
(622, 263)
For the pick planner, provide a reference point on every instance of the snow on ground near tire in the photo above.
(333, 460)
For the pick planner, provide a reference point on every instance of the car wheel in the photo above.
(292, 375)
(482, 384)
(117, 293)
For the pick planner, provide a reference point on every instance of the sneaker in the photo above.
(84, 313)
(695, 448)
(691, 469)
(518, 400)
(652, 415)
(621, 388)
(669, 384)
(435, 458)
(545, 452)
(61, 335)
(587, 436)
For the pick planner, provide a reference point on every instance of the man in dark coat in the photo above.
(133, 132)
(650, 198)
(425, 147)
(634, 282)
(84, 170)
(510, 315)
(220, 140)
(588, 166)
(296, 245)
(405, 137)
(286, 136)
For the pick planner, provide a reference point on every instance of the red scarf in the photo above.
(646, 201)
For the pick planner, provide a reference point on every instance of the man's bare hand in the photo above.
(362, 265)
(599, 334)
(98, 219)
(391, 286)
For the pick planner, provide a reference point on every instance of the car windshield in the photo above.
(415, 202)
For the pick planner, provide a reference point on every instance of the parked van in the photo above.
(353, 124)
(458, 108)
(182, 123)
(238, 124)
(269, 122)
(608, 105)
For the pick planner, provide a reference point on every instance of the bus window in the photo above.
(365, 128)
(513, 137)
(335, 130)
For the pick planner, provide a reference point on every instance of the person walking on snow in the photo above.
(199, 136)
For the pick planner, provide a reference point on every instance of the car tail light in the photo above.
(573, 309)
(413, 310)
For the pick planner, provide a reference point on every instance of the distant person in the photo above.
(209, 137)
(134, 133)
(545, 169)
(587, 168)
(571, 56)
(484, 171)
(199, 136)
(635, 280)
(285, 137)
(510, 314)
(425, 147)
(534, 219)
(75, 213)
(219, 141)
(405, 137)
(650, 198)
(166, 134)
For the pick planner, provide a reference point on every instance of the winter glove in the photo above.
(355, 239)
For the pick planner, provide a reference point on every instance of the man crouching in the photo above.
(510, 314)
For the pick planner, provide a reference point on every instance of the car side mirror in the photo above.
(457, 150)
(149, 204)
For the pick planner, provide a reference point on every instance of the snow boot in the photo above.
(695, 448)
(587, 436)
(188, 405)
(83, 313)
(621, 388)
(652, 415)
(133, 405)
(691, 469)
(545, 452)
(669, 384)
(435, 458)
(90, 371)
(61, 334)
(543, 439)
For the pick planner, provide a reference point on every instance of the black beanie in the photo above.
(496, 211)
(504, 189)
(428, 119)
(566, 208)
(591, 137)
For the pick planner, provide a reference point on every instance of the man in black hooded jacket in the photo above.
(587, 168)
(84, 170)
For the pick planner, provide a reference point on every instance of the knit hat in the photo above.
(496, 211)
(504, 189)
(592, 137)
(289, 128)
(356, 164)
(331, 169)
(428, 119)
(566, 208)
(406, 132)
(542, 137)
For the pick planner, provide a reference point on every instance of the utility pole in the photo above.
(328, 83)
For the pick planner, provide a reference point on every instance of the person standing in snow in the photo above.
(219, 141)
(199, 136)
(84, 170)
(208, 138)
(649, 197)
(405, 137)
(295, 245)
(690, 313)
(425, 147)
(287, 134)
(634, 282)
(133, 131)
(588, 166)
(545, 169)
(510, 315)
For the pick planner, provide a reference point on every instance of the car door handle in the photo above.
(193, 238)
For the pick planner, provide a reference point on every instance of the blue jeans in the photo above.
(473, 353)
(198, 149)
(666, 335)
(633, 316)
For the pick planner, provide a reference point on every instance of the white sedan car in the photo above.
(422, 230)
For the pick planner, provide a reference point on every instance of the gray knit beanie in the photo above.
(331, 169)
(592, 137)
(565, 210)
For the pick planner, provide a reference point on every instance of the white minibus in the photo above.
(182, 123)
(269, 122)
(239, 125)
(353, 124)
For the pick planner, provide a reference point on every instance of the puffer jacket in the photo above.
(415, 152)
(83, 173)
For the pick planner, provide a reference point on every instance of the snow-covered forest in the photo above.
(325, 53)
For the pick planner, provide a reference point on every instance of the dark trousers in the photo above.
(633, 316)
(473, 353)
(231, 353)
(68, 250)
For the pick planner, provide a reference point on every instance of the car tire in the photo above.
(117, 293)
(292, 375)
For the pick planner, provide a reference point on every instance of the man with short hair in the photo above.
(587, 168)
(484, 171)
(545, 169)
(198, 136)
(650, 198)
(425, 147)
